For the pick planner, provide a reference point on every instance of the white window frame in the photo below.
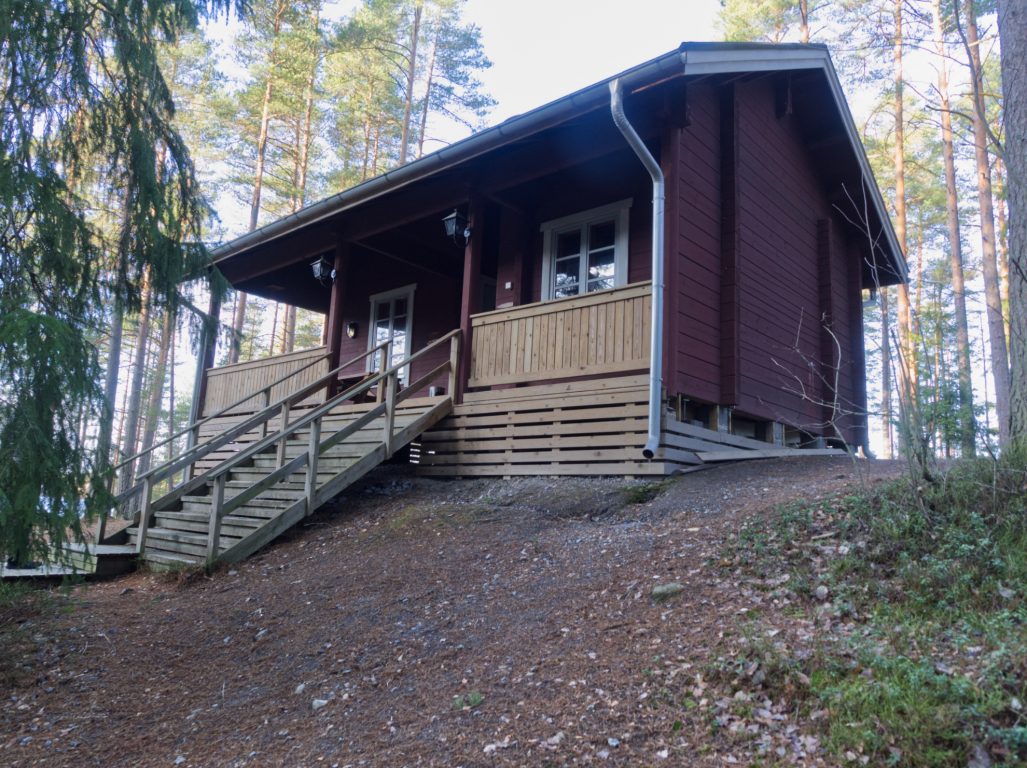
(407, 292)
(617, 211)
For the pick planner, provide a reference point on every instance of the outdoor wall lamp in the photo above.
(323, 270)
(456, 223)
(352, 329)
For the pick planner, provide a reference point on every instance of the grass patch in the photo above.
(925, 661)
(643, 493)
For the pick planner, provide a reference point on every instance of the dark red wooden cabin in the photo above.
(773, 230)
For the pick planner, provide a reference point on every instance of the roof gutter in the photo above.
(652, 443)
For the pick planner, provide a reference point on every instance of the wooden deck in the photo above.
(598, 334)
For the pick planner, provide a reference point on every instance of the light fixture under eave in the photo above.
(323, 270)
(456, 223)
(352, 329)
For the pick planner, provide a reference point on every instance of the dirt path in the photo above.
(419, 622)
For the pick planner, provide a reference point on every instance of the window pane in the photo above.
(562, 291)
(382, 312)
(401, 306)
(566, 276)
(601, 235)
(600, 285)
(568, 244)
(600, 264)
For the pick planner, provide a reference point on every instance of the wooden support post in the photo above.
(390, 412)
(144, 515)
(208, 345)
(470, 297)
(217, 503)
(336, 322)
(382, 368)
(313, 453)
(777, 433)
(267, 402)
(285, 438)
(454, 365)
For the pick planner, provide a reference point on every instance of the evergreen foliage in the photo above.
(82, 90)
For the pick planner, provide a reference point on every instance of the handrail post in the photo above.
(454, 366)
(217, 503)
(390, 411)
(382, 368)
(144, 515)
(285, 437)
(313, 452)
(267, 403)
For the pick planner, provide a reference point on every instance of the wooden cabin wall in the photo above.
(749, 271)
(780, 262)
(436, 306)
(694, 262)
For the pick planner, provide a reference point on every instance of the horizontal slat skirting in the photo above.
(502, 470)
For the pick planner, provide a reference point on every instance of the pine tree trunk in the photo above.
(171, 395)
(907, 370)
(156, 392)
(989, 264)
(803, 21)
(886, 377)
(104, 441)
(1012, 20)
(411, 79)
(967, 428)
(258, 173)
(238, 323)
(135, 392)
(289, 330)
(426, 106)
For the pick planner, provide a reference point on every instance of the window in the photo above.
(391, 314)
(585, 252)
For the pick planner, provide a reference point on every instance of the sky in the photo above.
(544, 49)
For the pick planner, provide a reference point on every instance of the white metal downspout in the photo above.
(652, 443)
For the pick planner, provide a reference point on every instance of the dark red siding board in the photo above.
(436, 307)
(695, 185)
(790, 273)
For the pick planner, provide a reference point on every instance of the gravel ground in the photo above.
(419, 622)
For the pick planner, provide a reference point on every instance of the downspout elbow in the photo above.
(652, 443)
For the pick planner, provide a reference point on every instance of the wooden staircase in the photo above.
(266, 472)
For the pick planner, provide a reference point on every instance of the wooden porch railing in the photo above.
(595, 334)
(275, 375)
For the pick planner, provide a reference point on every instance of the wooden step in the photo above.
(167, 561)
(233, 525)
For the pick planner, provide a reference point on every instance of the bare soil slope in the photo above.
(418, 622)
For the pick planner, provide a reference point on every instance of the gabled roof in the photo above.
(690, 59)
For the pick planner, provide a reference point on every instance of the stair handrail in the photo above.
(265, 390)
(151, 477)
(220, 507)
(321, 410)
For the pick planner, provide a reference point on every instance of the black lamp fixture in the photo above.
(323, 270)
(352, 329)
(456, 224)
